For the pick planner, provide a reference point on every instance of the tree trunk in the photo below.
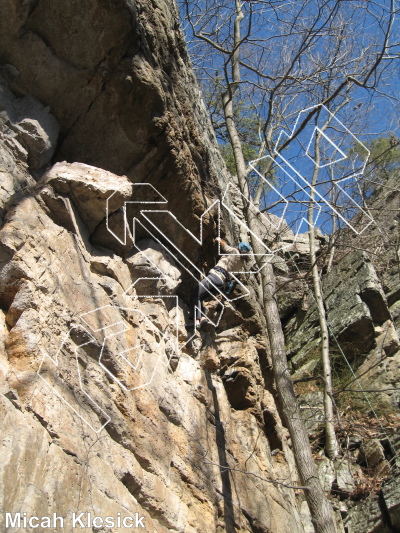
(320, 509)
(332, 239)
(331, 445)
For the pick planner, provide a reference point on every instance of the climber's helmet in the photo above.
(244, 248)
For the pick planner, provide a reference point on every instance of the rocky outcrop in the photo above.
(355, 303)
(109, 404)
(28, 135)
(90, 385)
(360, 298)
(118, 81)
(384, 207)
(379, 513)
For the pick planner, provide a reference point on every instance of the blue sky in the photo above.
(277, 31)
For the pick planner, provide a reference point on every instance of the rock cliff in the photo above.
(110, 183)
(109, 405)
(361, 298)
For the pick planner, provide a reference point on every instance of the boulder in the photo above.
(344, 482)
(93, 191)
(371, 453)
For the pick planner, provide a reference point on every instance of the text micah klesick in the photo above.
(83, 520)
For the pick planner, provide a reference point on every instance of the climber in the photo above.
(217, 278)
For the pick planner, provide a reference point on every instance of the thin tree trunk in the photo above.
(265, 168)
(332, 238)
(320, 509)
(331, 445)
(332, 247)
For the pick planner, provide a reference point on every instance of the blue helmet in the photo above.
(244, 247)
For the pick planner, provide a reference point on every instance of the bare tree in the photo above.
(278, 55)
(331, 444)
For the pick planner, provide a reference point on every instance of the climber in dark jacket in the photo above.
(217, 278)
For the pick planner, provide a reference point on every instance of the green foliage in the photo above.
(249, 153)
(384, 154)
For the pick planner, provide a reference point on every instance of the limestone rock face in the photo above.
(361, 296)
(367, 516)
(385, 209)
(87, 366)
(117, 78)
(28, 133)
(108, 403)
(34, 127)
(94, 192)
(354, 301)
(362, 301)
(153, 270)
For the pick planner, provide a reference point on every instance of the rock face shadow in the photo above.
(223, 464)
